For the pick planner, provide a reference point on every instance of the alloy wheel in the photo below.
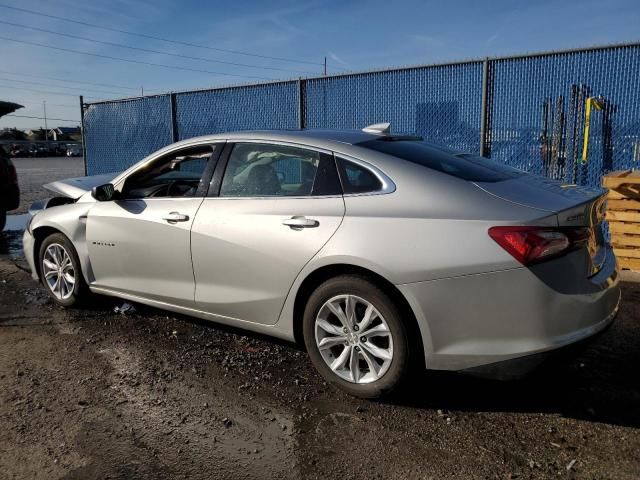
(354, 339)
(58, 271)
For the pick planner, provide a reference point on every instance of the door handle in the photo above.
(300, 222)
(174, 217)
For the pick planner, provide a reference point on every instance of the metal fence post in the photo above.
(301, 101)
(84, 144)
(487, 105)
(175, 135)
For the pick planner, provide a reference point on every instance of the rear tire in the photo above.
(356, 338)
(3, 218)
(60, 271)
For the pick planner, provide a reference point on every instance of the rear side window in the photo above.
(266, 170)
(356, 178)
(461, 165)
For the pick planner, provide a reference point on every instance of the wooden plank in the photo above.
(615, 179)
(627, 252)
(618, 173)
(619, 227)
(613, 195)
(618, 182)
(627, 190)
(624, 216)
(623, 194)
(622, 240)
(623, 205)
(629, 263)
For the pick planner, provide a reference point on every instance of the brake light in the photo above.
(534, 244)
(13, 176)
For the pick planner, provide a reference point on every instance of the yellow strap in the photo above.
(587, 121)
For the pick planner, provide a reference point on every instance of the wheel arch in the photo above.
(321, 274)
(39, 235)
(70, 221)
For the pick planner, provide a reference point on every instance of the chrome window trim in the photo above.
(276, 197)
(283, 143)
(156, 199)
(387, 184)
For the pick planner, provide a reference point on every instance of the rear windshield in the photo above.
(461, 165)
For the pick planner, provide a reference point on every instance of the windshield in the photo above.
(461, 165)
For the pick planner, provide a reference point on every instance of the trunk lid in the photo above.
(574, 206)
(76, 187)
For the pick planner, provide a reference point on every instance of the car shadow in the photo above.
(600, 384)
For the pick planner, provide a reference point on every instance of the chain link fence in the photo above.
(119, 134)
(571, 115)
(254, 107)
(538, 113)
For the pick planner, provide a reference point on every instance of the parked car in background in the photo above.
(380, 253)
(58, 150)
(19, 151)
(9, 190)
(74, 150)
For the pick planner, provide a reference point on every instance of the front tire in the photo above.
(3, 218)
(356, 338)
(60, 271)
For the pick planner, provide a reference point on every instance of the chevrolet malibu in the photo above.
(382, 254)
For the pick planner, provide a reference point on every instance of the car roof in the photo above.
(311, 137)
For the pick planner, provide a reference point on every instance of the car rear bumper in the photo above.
(487, 319)
(520, 366)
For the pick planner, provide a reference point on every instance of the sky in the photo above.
(273, 39)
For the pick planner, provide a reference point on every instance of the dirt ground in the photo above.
(94, 394)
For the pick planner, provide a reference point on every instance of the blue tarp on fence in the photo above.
(527, 111)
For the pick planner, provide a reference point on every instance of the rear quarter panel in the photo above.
(432, 226)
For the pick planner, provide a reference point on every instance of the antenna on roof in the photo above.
(379, 128)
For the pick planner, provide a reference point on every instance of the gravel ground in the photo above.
(87, 393)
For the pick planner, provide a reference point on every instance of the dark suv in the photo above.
(9, 191)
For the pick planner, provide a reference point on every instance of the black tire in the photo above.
(80, 291)
(399, 369)
(3, 218)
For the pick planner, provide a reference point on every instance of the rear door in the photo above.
(274, 207)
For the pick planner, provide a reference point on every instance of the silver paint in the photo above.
(236, 260)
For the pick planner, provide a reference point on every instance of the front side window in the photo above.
(179, 174)
(264, 170)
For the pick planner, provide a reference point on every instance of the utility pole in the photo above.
(142, 91)
(325, 66)
(46, 127)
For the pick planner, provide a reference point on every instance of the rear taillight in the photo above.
(534, 244)
(13, 176)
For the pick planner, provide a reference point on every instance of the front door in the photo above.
(140, 243)
(277, 207)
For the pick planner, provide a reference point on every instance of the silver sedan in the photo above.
(380, 253)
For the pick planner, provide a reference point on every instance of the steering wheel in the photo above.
(173, 191)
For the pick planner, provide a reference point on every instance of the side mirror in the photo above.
(103, 193)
